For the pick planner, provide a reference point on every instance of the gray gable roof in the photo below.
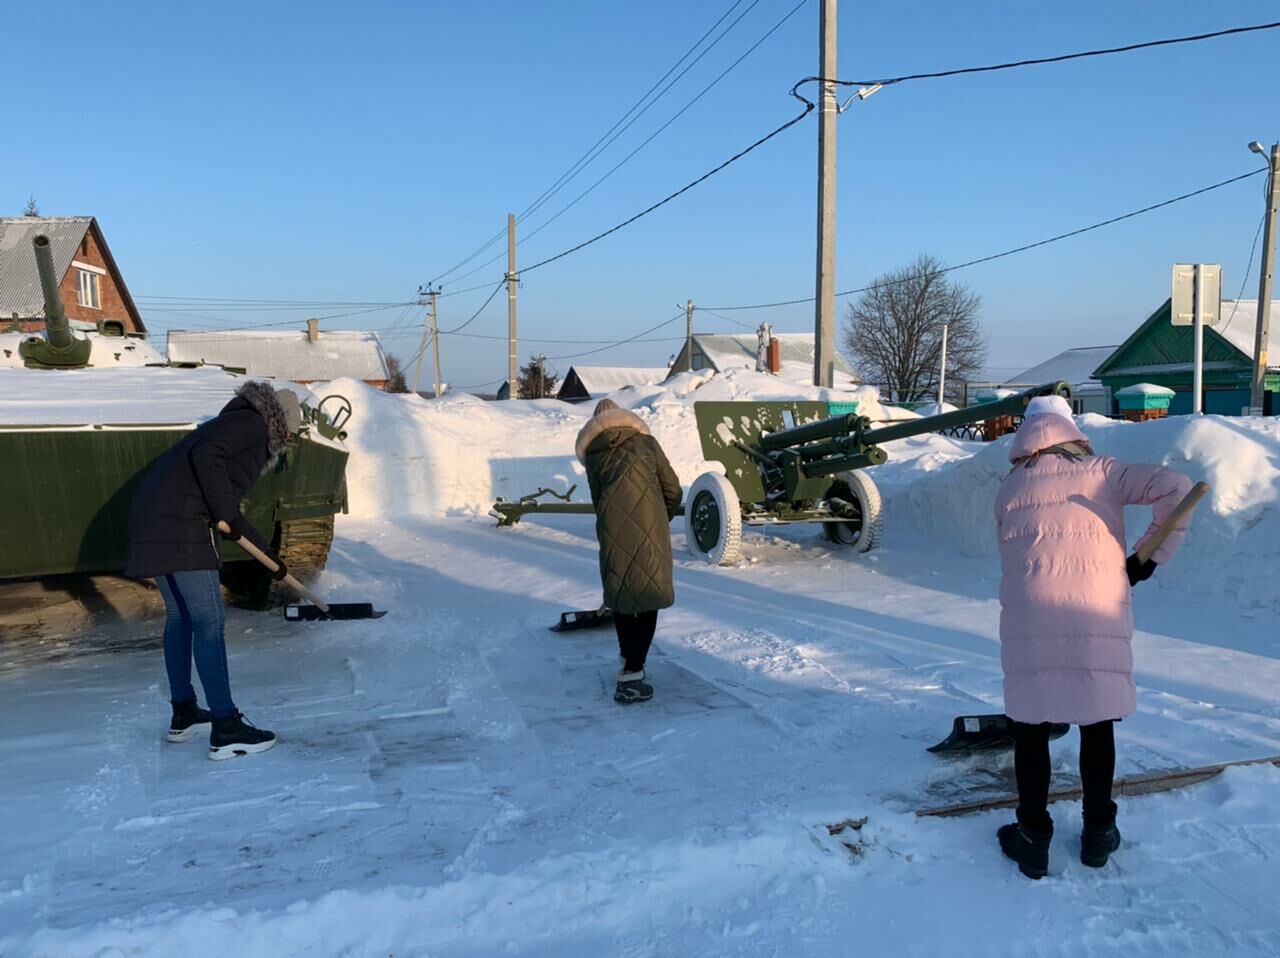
(19, 281)
(285, 354)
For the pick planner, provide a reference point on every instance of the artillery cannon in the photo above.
(788, 462)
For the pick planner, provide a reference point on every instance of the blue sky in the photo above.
(343, 152)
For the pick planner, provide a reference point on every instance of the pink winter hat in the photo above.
(1048, 406)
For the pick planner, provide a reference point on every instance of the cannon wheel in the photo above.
(862, 534)
(713, 520)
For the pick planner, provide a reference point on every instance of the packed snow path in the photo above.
(454, 779)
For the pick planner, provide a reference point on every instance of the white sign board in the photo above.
(1184, 281)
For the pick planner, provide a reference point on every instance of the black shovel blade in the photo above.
(971, 733)
(586, 619)
(337, 610)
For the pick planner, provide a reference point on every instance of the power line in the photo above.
(727, 319)
(1245, 280)
(654, 135)
(705, 90)
(208, 300)
(623, 342)
(1010, 252)
(293, 322)
(1128, 48)
(684, 189)
(596, 147)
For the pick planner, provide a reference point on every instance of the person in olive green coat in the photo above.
(635, 493)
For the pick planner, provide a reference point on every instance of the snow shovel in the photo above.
(971, 732)
(587, 619)
(319, 610)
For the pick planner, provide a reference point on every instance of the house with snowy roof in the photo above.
(582, 383)
(1075, 368)
(1161, 354)
(94, 295)
(794, 357)
(308, 355)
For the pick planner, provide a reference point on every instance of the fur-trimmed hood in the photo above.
(622, 420)
(263, 399)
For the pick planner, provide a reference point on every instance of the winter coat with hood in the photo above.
(635, 492)
(1066, 617)
(200, 482)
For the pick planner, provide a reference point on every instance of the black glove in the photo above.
(282, 570)
(1138, 570)
(238, 526)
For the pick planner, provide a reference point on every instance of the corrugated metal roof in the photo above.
(285, 354)
(19, 281)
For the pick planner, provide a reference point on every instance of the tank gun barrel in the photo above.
(57, 349)
(58, 328)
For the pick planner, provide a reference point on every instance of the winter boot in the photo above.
(233, 736)
(632, 688)
(1097, 844)
(1028, 848)
(188, 721)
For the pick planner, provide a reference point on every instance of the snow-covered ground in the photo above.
(454, 779)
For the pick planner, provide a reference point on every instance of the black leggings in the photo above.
(635, 635)
(1097, 769)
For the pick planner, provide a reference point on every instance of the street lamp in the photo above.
(1258, 148)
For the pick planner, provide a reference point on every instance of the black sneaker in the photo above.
(632, 688)
(1097, 844)
(1029, 849)
(189, 720)
(233, 736)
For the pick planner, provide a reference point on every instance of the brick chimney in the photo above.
(775, 355)
(313, 330)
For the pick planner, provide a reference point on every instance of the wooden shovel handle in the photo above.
(1180, 512)
(271, 566)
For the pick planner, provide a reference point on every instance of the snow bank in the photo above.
(457, 454)
(1234, 543)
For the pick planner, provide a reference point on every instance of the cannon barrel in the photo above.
(810, 432)
(57, 328)
(1009, 406)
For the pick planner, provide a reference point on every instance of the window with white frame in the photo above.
(88, 289)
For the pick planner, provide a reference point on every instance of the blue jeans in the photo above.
(194, 623)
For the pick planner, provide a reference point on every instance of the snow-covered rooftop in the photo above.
(796, 352)
(1239, 325)
(1072, 366)
(285, 354)
(602, 380)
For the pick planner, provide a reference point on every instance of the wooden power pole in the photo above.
(513, 379)
(824, 334)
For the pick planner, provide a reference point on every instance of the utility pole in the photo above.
(1197, 374)
(942, 372)
(422, 346)
(513, 380)
(542, 376)
(688, 333)
(430, 327)
(1263, 334)
(824, 335)
(435, 339)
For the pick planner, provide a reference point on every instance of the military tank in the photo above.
(83, 414)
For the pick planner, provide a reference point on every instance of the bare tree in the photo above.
(32, 208)
(894, 330)
(395, 376)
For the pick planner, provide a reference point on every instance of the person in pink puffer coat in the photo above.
(1066, 618)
